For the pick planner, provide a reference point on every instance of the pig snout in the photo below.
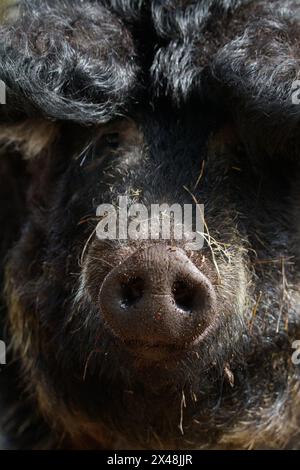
(157, 298)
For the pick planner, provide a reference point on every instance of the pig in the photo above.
(144, 342)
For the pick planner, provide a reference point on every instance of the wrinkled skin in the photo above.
(236, 387)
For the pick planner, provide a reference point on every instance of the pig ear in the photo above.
(68, 60)
(255, 78)
(30, 138)
(22, 144)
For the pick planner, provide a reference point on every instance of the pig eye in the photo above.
(107, 142)
(111, 140)
(94, 154)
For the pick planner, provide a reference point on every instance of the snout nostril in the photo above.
(131, 291)
(184, 295)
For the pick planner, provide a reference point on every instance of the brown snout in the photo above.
(157, 298)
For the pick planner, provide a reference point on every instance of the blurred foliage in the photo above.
(3, 4)
(3, 7)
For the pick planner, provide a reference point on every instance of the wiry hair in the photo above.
(86, 61)
(69, 60)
